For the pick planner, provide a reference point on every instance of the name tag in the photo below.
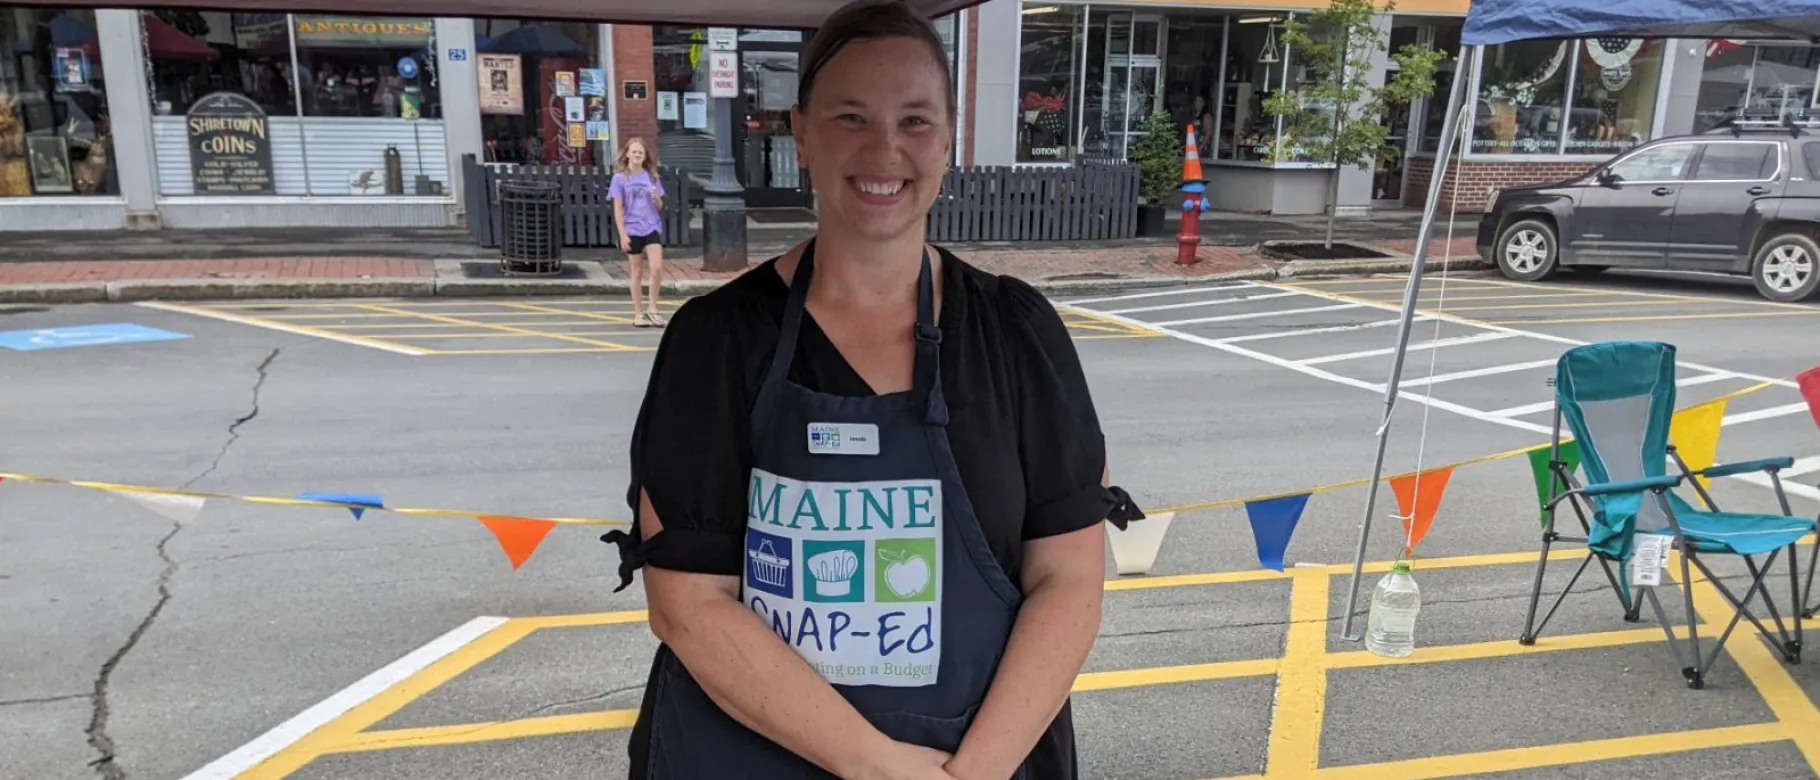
(843, 439)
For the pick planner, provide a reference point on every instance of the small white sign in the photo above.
(723, 39)
(723, 74)
(843, 439)
(1649, 559)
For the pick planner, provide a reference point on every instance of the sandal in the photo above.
(641, 320)
(656, 320)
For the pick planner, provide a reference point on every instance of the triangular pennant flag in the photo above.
(518, 536)
(1418, 498)
(364, 501)
(1134, 549)
(1538, 464)
(1695, 434)
(1273, 521)
(179, 508)
(1809, 381)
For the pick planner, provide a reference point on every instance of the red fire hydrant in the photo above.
(1194, 188)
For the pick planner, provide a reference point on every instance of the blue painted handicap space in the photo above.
(83, 336)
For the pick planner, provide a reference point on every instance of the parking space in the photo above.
(503, 327)
(1294, 703)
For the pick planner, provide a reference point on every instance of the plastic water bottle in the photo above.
(1391, 628)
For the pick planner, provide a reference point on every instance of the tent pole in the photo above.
(1450, 132)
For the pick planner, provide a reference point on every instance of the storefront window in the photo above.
(1434, 108)
(1614, 96)
(1521, 96)
(228, 121)
(1255, 57)
(1047, 126)
(55, 135)
(1576, 97)
(543, 91)
(1772, 81)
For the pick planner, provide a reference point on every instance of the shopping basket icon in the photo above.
(768, 568)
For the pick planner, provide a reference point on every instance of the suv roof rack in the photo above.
(1793, 122)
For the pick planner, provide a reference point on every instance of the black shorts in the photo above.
(638, 243)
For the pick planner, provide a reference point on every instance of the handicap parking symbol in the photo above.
(83, 336)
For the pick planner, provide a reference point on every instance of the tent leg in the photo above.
(1450, 132)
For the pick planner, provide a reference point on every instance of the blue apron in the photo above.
(864, 555)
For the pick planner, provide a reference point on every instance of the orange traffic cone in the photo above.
(1191, 158)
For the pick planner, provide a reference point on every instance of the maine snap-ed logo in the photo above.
(849, 574)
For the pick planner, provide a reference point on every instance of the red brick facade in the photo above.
(632, 61)
(1470, 180)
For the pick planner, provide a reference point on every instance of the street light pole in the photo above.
(724, 207)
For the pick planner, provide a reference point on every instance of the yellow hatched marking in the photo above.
(1654, 318)
(496, 326)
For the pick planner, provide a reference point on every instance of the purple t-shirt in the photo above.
(635, 190)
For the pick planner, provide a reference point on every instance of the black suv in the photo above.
(1742, 199)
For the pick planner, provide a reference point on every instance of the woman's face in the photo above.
(635, 156)
(876, 136)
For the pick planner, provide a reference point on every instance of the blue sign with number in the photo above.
(458, 55)
(83, 336)
(407, 67)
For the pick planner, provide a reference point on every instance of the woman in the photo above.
(638, 205)
(868, 479)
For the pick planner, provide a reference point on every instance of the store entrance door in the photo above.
(764, 149)
(1133, 84)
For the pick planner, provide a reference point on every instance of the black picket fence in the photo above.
(1005, 203)
(587, 211)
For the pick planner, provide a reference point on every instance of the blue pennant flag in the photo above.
(1273, 521)
(364, 500)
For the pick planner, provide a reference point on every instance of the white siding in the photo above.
(57, 212)
(337, 149)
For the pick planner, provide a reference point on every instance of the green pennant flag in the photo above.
(1538, 465)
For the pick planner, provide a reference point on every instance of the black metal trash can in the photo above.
(530, 227)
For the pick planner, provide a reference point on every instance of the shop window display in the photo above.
(55, 133)
(1592, 97)
(1764, 80)
(1047, 125)
(295, 104)
(544, 92)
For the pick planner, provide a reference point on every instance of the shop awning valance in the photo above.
(775, 14)
(1491, 22)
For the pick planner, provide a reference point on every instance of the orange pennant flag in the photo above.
(518, 536)
(1418, 498)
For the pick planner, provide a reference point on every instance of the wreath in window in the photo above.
(1520, 88)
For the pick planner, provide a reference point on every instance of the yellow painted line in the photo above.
(467, 733)
(443, 325)
(1169, 675)
(411, 315)
(1660, 296)
(592, 619)
(532, 308)
(544, 351)
(1778, 688)
(1301, 702)
(387, 703)
(1427, 294)
(1386, 279)
(302, 330)
(422, 304)
(1364, 659)
(1120, 336)
(1485, 763)
(1191, 580)
(497, 326)
(1661, 318)
(1585, 305)
(421, 336)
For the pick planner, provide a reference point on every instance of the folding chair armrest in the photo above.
(1633, 486)
(1744, 467)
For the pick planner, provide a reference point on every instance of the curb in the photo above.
(596, 284)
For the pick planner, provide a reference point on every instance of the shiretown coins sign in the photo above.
(230, 146)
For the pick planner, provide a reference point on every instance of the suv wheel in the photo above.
(1787, 268)
(1527, 250)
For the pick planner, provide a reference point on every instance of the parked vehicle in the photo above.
(1742, 199)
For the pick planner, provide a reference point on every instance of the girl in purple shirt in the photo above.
(638, 203)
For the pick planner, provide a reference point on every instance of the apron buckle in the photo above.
(928, 333)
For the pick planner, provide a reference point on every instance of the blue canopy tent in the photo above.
(1492, 22)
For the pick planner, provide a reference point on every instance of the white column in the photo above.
(458, 75)
(1355, 180)
(123, 65)
(605, 153)
(1684, 68)
(995, 91)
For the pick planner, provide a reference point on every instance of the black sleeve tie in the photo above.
(631, 554)
(1124, 509)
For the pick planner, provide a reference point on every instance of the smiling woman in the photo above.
(868, 477)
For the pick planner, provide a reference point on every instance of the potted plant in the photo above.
(1158, 155)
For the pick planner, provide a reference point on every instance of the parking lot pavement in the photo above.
(299, 643)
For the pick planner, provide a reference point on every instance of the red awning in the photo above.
(776, 14)
(162, 41)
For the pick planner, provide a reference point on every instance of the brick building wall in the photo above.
(970, 76)
(632, 61)
(1470, 180)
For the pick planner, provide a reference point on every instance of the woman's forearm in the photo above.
(1055, 631)
(759, 682)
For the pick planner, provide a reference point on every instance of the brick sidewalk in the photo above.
(1463, 246)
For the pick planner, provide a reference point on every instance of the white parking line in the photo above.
(1451, 341)
(1208, 302)
(1764, 414)
(289, 732)
(1283, 334)
(1519, 411)
(1235, 317)
(1160, 293)
(1475, 373)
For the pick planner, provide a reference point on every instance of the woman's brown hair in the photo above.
(867, 20)
(619, 163)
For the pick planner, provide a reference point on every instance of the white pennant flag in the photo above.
(1134, 549)
(179, 508)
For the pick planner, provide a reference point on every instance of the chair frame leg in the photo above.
(1561, 477)
(1696, 671)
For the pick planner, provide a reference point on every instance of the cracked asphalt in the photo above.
(139, 649)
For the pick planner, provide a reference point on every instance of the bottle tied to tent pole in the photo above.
(1391, 628)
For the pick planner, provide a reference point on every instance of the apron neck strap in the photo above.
(927, 371)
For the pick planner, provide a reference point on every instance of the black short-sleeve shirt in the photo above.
(1021, 424)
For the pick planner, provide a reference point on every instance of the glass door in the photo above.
(764, 150)
(1133, 77)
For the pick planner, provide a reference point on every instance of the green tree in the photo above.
(1337, 114)
(1159, 154)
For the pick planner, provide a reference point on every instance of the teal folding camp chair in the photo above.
(1619, 400)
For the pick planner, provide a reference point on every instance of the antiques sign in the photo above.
(230, 146)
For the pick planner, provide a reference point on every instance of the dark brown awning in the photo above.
(785, 14)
